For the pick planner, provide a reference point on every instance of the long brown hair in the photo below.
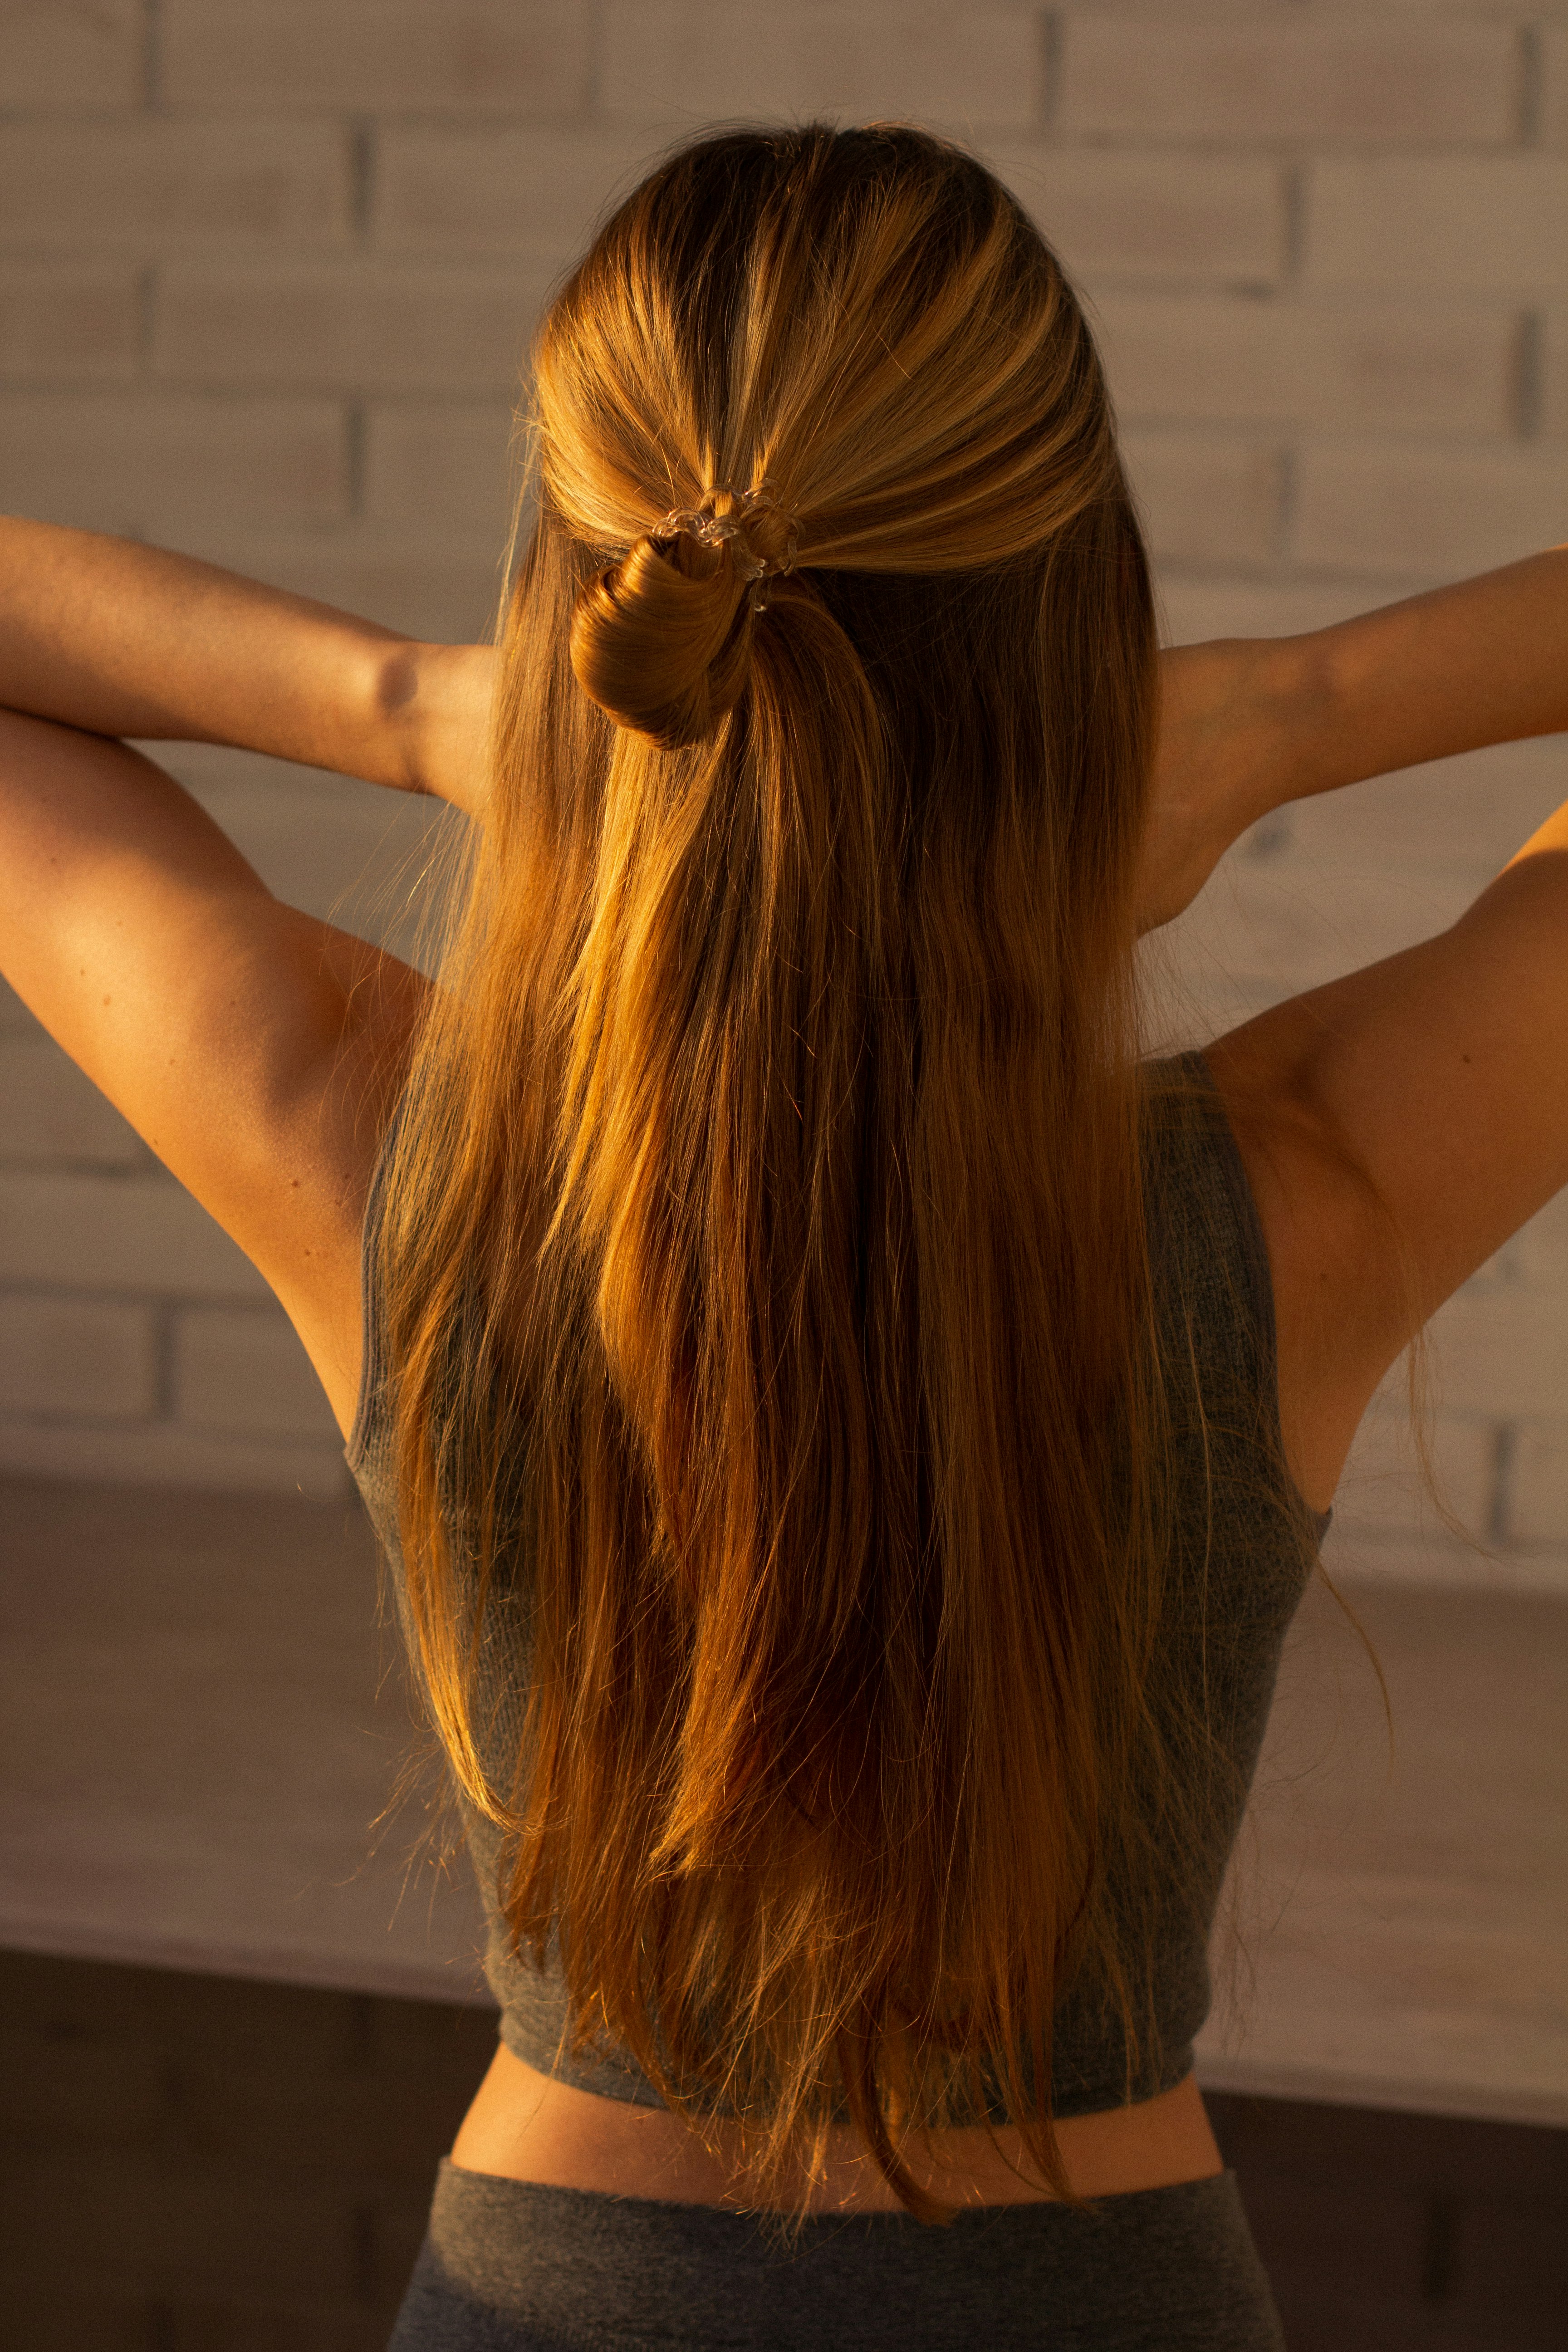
(764, 1258)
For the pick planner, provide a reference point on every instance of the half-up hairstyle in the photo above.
(765, 1259)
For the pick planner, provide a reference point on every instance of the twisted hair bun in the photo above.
(662, 640)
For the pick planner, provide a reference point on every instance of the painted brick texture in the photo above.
(493, 190)
(342, 327)
(1439, 224)
(77, 1357)
(1340, 80)
(73, 53)
(517, 57)
(163, 467)
(153, 185)
(1200, 219)
(82, 324)
(713, 59)
(240, 1371)
(268, 277)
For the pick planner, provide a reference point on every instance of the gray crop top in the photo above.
(1244, 1542)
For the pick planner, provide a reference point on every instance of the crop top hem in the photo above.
(606, 2078)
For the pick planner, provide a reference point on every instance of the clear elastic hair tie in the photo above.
(733, 531)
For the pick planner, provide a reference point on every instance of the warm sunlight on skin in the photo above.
(523, 2126)
(1249, 724)
(443, 694)
(186, 653)
(1547, 840)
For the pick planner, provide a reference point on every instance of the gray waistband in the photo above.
(512, 2263)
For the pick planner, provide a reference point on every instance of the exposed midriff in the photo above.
(525, 2126)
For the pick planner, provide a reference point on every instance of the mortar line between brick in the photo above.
(353, 457)
(1440, 2248)
(593, 82)
(1285, 511)
(1295, 253)
(1529, 83)
(1529, 363)
(164, 1348)
(1505, 1449)
(361, 179)
(152, 56)
(1050, 40)
(146, 315)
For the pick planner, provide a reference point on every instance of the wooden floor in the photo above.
(197, 2164)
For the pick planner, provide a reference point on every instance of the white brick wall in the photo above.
(1207, 497)
(125, 1231)
(1438, 224)
(1334, 364)
(77, 1359)
(437, 461)
(339, 325)
(1337, 78)
(1553, 102)
(1384, 1492)
(710, 59)
(267, 277)
(521, 57)
(157, 185)
(1199, 218)
(1392, 510)
(487, 190)
(59, 319)
(55, 1115)
(240, 1371)
(84, 54)
(167, 465)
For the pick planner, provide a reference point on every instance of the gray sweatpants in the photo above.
(510, 2267)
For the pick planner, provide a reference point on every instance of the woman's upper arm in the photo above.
(1398, 1124)
(250, 1046)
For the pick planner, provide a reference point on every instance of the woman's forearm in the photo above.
(1485, 661)
(1247, 724)
(122, 639)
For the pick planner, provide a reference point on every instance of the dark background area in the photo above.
(201, 2163)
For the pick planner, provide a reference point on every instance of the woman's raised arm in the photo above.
(125, 640)
(1247, 724)
(1401, 1123)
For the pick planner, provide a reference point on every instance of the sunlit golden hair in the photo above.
(765, 1259)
